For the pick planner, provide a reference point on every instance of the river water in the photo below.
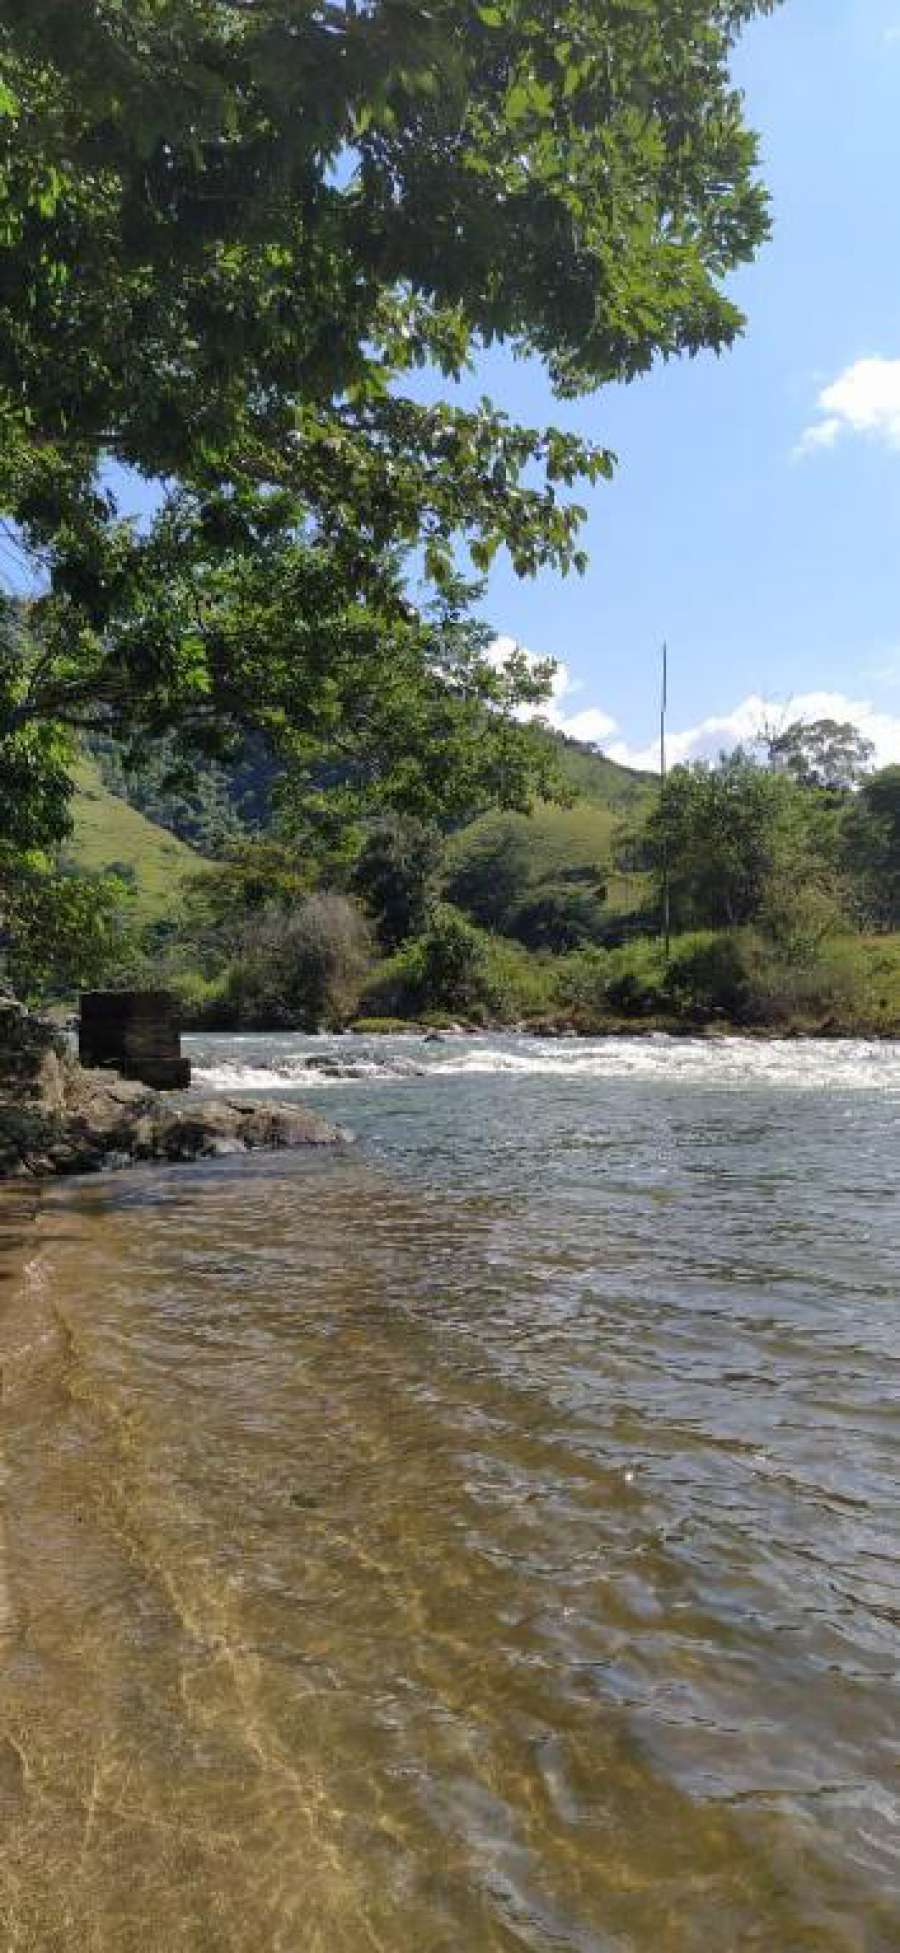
(486, 1538)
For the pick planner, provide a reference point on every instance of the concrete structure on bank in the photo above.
(136, 1033)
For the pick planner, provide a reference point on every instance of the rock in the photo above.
(56, 1116)
(200, 1129)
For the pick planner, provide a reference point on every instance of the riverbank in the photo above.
(58, 1117)
(738, 981)
(567, 1026)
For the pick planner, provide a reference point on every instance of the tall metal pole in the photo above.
(663, 809)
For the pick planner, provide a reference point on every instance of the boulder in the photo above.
(112, 1119)
(58, 1116)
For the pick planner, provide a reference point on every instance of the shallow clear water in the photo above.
(484, 1539)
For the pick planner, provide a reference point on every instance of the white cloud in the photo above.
(864, 399)
(591, 724)
(748, 719)
(744, 725)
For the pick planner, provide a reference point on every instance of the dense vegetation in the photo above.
(233, 234)
(784, 892)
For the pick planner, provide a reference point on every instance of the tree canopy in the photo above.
(830, 753)
(734, 838)
(872, 844)
(233, 230)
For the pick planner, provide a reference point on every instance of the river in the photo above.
(485, 1538)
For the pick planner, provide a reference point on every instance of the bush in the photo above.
(708, 976)
(518, 984)
(205, 1002)
(782, 991)
(453, 962)
(558, 917)
(636, 979)
(303, 970)
(799, 913)
(456, 971)
(393, 988)
(581, 981)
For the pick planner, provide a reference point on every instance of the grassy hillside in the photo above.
(557, 845)
(602, 781)
(110, 834)
(551, 845)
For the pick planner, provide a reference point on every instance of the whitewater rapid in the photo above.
(272, 1062)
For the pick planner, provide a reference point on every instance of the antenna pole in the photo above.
(664, 814)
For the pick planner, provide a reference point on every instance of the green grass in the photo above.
(556, 839)
(107, 833)
(594, 777)
(556, 843)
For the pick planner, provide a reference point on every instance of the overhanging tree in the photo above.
(232, 231)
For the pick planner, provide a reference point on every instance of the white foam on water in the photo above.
(798, 1065)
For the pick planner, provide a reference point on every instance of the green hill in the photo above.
(108, 833)
(492, 864)
(493, 861)
(598, 779)
(554, 845)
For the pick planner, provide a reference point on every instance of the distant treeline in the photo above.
(782, 867)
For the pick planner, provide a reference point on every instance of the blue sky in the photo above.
(767, 554)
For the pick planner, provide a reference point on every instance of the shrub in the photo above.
(558, 917)
(798, 913)
(457, 971)
(636, 979)
(581, 981)
(518, 984)
(205, 1002)
(301, 970)
(393, 989)
(783, 990)
(708, 976)
(453, 962)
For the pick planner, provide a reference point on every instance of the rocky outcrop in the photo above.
(56, 1116)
